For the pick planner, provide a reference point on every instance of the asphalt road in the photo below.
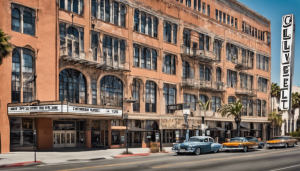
(280, 159)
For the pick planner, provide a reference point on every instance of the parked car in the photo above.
(239, 143)
(282, 141)
(261, 144)
(197, 145)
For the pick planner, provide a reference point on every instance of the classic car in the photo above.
(239, 143)
(261, 144)
(197, 145)
(282, 141)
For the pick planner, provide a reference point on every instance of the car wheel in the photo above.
(245, 149)
(285, 145)
(294, 144)
(178, 153)
(198, 151)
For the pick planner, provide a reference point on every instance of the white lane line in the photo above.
(285, 167)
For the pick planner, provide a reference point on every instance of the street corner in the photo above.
(21, 164)
(131, 155)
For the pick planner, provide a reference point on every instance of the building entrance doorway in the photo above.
(64, 138)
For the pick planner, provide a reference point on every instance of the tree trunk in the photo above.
(238, 128)
(273, 129)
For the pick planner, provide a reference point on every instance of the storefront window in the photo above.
(115, 138)
(95, 132)
(21, 132)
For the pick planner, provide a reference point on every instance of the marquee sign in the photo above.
(64, 108)
(287, 60)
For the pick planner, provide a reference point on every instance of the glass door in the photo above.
(70, 138)
(64, 139)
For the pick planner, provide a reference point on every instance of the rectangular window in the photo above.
(143, 22)
(244, 109)
(203, 7)
(195, 4)
(155, 22)
(232, 21)
(94, 92)
(167, 32)
(107, 11)
(175, 33)
(149, 26)
(116, 13)
(262, 85)
(136, 59)
(217, 14)
(224, 18)
(169, 64)
(169, 92)
(208, 10)
(258, 108)
(215, 103)
(201, 41)
(228, 19)
(199, 5)
(188, 3)
(220, 16)
(243, 24)
(231, 78)
(268, 38)
(207, 42)
(235, 23)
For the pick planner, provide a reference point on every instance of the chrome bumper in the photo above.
(184, 151)
(238, 148)
(275, 145)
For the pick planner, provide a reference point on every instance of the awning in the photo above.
(132, 129)
(242, 128)
(216, 129)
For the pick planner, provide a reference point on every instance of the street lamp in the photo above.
(186, 113)
(125, 116)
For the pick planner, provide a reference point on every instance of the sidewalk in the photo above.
(67, 155)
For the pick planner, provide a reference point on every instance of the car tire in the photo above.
(198, 151)
(286, 145)
(178, 153)
(294, 145)
(245, 149)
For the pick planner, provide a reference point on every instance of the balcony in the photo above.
(201, 55)
(104, 62)
(246, 92)
(211, 86)
(243, 65)
(188, 82)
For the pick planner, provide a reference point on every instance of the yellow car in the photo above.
(282, 141)
(239, 143)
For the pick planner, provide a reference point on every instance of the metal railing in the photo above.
(65, 52)
(204, 55)
(213, 86)
(243, 64)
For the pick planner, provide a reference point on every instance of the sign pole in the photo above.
(34, 145)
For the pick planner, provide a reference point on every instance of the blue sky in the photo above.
(274, 10)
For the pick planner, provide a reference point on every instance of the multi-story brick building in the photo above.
(77, 65)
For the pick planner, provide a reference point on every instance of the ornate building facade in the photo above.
(79, 65)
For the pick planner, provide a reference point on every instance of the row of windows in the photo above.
(221, 16)
(262, 62)
(75, 6)
(110, 11)
(145, 23)
(150, 103)
(144, 57)
(197, 5)
(255, 33)
(192, 101)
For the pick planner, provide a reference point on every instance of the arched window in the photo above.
(111, 91)
(136, 20)
(150, 96)
(73, 42)
(231, 99)
(185, 69)
(219, 74)
(28, 23)
(154, 59)
(15, 20)
(123, 15)
(207, 74)
(122, 51)
(72, 86)
(190, 100)
(15, 76)
(136, 94)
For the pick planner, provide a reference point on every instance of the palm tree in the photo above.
(275, 119)
(204, 106)
(5, 46)
(295, 100)
(275, 93)
(233, 109)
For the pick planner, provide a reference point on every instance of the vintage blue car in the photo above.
(197, 145)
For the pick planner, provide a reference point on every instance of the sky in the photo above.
(274, 10)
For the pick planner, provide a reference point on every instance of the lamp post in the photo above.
(187, 126)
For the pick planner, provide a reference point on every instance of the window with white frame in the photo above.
(110, 11)
(113, 50)
(75, 6)
(145, 23)
(215, 103)
(71, 40)
(231, 78)
(23, 19)
(150, 96)
(170, 32)
(22, 57)
(144, 57)
(169, 65)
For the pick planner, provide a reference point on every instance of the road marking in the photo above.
(93, 167)
(285, 167)
(183, 163)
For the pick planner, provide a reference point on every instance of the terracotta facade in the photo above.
(98, 42)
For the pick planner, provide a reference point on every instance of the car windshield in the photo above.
(280, 138)
(237, 140)
(196, 140)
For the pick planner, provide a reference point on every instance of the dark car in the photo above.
(261, 144)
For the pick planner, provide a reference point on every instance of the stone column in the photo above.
(88, 135)
(109, 133)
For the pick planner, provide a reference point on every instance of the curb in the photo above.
(21, 164)
(131, 155)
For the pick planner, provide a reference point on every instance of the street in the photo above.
(262, 159)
